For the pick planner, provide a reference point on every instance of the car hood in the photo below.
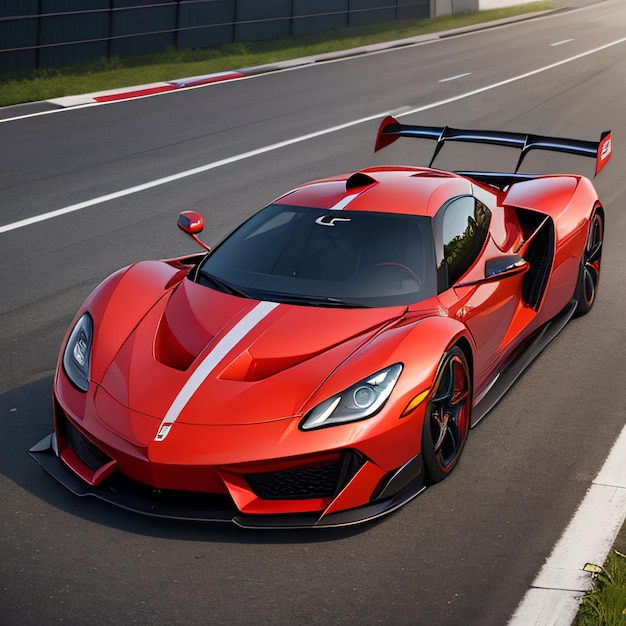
(200, 356)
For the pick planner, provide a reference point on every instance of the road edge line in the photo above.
(554, 596)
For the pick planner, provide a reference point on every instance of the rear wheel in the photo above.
(589, 271)
(447, 419)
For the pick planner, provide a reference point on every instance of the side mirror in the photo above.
(505, 266)
(499, 268)
(192, 223)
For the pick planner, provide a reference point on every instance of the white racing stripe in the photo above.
(210, 362)
(342, 204)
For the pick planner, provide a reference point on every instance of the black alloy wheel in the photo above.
(589, 271)
(448, 416)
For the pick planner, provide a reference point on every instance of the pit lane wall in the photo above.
(447, 7)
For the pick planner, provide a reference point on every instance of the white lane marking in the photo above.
(554, 596)
(246, 155)
(180, 175)
(560, 43)
(446, 80)
(210, 362)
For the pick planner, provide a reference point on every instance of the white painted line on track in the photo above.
(282, 144)
(555, 594)
(560, 43)
(446, 80)
(180, 175)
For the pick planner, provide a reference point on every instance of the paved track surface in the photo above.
(465, 551)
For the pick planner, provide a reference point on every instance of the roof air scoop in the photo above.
(359, 179)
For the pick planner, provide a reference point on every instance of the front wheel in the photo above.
(448, 415)
(589, 271)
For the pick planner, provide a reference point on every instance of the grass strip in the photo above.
(605, 604)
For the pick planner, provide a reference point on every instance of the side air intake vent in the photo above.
(359, 179)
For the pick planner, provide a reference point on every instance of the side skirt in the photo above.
(521, 361)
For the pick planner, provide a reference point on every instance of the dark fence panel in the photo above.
(312, 16)
(363, 12)
(56, 33)
(256, 20)
(18, 35)
(63, 21)
(413, 10)
(206, 24)
(143, 26)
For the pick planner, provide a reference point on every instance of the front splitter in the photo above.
(201, 507)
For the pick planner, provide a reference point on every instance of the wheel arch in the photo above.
(600, 209)
(463, 343)
(589, 269)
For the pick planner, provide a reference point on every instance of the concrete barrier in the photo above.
(447, 7)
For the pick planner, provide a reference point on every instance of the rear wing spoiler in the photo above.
(390, 130)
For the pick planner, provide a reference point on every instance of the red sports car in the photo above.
(326, 361)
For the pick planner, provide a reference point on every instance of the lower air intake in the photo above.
(321, 481)
(309, 482)
(86, 451)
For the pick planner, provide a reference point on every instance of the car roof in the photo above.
(408, 190)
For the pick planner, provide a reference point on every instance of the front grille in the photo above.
(89, 454)
(322, 481)
(309, 482)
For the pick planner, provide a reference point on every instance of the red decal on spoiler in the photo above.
(605, 151)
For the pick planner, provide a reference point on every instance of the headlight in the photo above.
(358, 402)
(77, 355)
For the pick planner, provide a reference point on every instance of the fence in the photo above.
(59, 33)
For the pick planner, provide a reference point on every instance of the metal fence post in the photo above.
(39, 34)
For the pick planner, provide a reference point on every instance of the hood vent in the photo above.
(358, 180)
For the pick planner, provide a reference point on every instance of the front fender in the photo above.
(418, 344)
(423, 348)
(118, 304)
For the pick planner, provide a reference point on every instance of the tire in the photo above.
(589, 271)
(448, 416)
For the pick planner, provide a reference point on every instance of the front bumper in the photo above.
(399, 488)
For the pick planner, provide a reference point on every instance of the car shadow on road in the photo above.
(26, 417)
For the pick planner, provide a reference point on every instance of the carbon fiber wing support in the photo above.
(390, 130)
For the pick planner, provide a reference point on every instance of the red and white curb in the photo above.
(139, 91)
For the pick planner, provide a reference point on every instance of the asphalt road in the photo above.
(465, 551)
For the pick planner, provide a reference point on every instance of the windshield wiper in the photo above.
(222, 285)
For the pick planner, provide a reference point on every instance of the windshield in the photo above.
(326, 257)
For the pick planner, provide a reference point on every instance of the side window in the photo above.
(465, 229)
